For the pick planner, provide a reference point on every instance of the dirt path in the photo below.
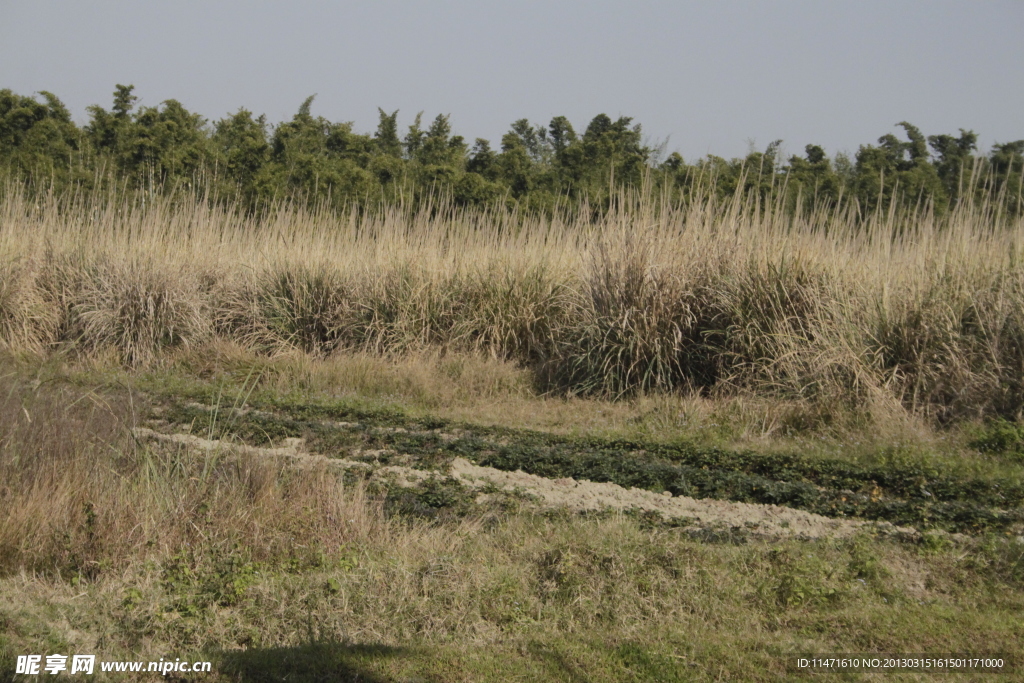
(567, 493)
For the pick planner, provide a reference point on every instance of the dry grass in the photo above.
(80, 496)
(477, 389)
(709, 317)
(128, 551)
(882, 315)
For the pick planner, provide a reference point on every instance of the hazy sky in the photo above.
(712, 76)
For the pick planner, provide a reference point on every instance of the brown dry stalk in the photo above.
(895, 309)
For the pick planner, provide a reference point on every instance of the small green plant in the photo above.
(935, 542)
(193, 583)
(562, 573)
(433, 498)
(1001, 436)
(132, 598)
(228, 578)
(864, 563)
(800, 578)
(178, 579)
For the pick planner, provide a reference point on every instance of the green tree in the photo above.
(414, 137)
(482, 160)
(1007, 169)
(386, 136)
(515, 167)
(387, 165)
(243, 149)
(323, 161)
(473, 189)
(439, 156)
(612, 151)
(954, 160)
(38, 140)
(534, 139)
(169, 142)
(107, 128)
(813, 179)
(439, 147)
(561, 134)
(152, 146)
(898, 170)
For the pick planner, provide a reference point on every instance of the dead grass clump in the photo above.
(27, 320)
(52, 442)
(302, 307)
(954, 344)
(429, 378)
(80, 496)
(513, 313)
(636, 327)
(139, 309)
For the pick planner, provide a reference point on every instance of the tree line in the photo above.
(245, 158)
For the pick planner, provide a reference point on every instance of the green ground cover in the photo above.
(919, 494)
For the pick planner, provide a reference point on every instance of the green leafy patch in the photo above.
(900, 490)
(1001, 436)
(193, 583)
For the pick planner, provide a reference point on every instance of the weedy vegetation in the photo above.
(865, 368)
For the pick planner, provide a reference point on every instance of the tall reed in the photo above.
(888, 311)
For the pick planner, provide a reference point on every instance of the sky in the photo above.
(710, 77)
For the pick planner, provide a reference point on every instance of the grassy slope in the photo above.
(273, 572)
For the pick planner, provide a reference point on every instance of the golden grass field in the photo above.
(879, 314)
